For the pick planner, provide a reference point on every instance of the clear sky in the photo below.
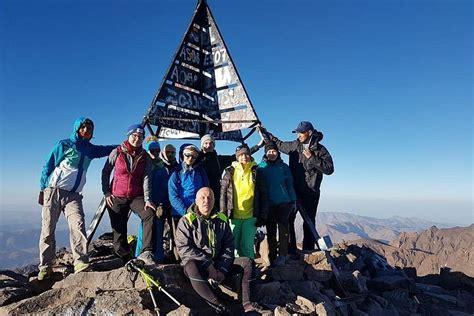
(389, 83)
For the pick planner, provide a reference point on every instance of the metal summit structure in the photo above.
(202, 91)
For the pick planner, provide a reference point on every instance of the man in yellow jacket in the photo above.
(244, 200)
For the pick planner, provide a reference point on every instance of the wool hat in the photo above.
(206, 138)
(152, 143)
(242, 149)
(269, 146)
(135, 128)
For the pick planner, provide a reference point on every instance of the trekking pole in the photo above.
(149, 280)
(312, 227)
(96, 220)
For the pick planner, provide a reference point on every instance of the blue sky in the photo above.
(389, 83)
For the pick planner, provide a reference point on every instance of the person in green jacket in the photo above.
(281, 198)
(244, 200)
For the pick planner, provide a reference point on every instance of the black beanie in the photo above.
(270, 145)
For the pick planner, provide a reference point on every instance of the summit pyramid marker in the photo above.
(202, 91)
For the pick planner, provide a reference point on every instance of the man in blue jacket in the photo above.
(62, 180)
(281, 197)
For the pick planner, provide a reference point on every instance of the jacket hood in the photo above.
(315, 138)
(163, 157)
(77, 124)
(181, 150)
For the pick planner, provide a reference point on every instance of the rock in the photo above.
(325, 309)
(388, 282)
(313, 257)
(288, 272)
(13, 287)
(354, 282)
(306, 288)
(115, 280)
(281, 311)
(180, 311)
(402, 300)
(305, 305)
(274, 293)
(321, 271)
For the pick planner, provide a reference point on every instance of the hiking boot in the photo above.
(45, 273)
(80, 266)
(147, 258)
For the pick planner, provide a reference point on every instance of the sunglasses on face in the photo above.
(170, 152)
(189, 155)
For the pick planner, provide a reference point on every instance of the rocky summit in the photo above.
(347, 280)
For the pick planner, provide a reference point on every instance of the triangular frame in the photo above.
(210, 115)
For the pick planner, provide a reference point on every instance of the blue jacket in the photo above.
(183, 186)
(278, 180)
(159, 182)
(67, 163)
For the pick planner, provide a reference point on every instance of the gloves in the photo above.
(261, 221)
(41, 198)
(159, 211)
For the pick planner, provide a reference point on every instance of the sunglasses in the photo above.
(188, 155)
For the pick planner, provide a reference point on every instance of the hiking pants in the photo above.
(244, 236)
(118, 220)
(158, 252)
(309, 201)
(199, 275)
(278, 217)
(56, 201)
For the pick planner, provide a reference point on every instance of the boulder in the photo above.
(325, 309)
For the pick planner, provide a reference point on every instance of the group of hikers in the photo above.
(212, 203)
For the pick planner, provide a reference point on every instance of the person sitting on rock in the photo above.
(62, 180)
(159, 197)
(186, 182)
(130, 190)
(243, 199)
(281, 198)
(206, 246)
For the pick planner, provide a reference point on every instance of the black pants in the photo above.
(278, 217)
(309, 201)
(119, 218)
(198, 277)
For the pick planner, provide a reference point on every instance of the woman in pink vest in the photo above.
(129, 190)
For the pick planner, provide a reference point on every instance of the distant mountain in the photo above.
(345, 226)
(430, 250)
(20, 247)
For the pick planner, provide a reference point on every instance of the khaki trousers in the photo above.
(56, 201)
